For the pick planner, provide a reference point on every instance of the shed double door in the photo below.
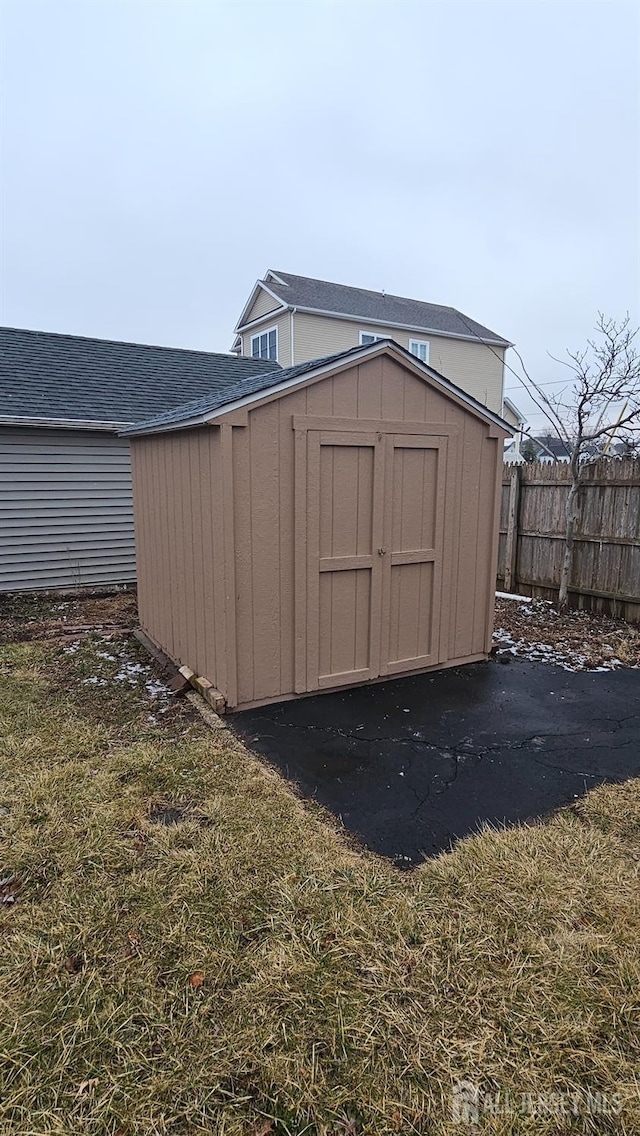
(374, 542)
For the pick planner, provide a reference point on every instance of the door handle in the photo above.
(381, 551)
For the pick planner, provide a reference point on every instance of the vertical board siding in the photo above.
(66, 509)
(265, 538)
(467, 542)
(220, 554)
(180, 558)
(606, 564)
(243, 514)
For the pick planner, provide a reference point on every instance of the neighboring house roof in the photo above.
(309, 295)
(233, 395)
(47, 378)
(548, 444)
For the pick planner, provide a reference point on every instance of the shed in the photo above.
(65, 475)
(329, 524)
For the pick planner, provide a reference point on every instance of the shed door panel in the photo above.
(372, 516)
(345, 480)
(414, 530)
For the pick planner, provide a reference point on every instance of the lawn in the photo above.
(188, 948)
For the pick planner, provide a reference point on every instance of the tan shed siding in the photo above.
(475, 367)
(264, 517)
(180, 553)
(263, 304)
(218, 560)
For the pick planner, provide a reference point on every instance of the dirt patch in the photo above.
(577, 641)
(36, 616)
(10, 888)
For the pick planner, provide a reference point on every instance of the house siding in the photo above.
(66, 509)
(475, 367)
(283, 324)
(263, 304)
(510, 417)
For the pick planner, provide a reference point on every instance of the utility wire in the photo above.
(550, 384)
(521, 381)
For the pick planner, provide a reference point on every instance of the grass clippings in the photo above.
(241, 969)
(575, 641)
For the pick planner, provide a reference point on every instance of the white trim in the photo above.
(274, 276)
(250, 302)
(371, 335)
(267, 331)
(352, 354)
(292, 338)
(62, 423)
(419, 343)
(275, 313)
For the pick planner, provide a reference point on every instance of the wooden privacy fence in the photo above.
(606, 562)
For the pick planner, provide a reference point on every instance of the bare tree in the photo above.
(600, 402)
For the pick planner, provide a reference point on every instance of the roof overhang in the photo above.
(257, 287)
(365, 322)
(62, 423)
(347, 358)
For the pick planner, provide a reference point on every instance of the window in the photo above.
(366, 337)
(265, 345)
(420, 348)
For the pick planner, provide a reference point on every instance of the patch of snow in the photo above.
(72, 648)
(104, 655)
(130, 672)
(156, 689)
(543, 652)
(94, 681)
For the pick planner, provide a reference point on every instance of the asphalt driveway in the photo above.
(411, 765)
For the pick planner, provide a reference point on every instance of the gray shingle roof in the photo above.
(231, 391)
(201, 409)
(549, 442)
(44, 375)
(321, 295)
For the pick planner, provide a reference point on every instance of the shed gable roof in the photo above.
(46, 377)
(322, 296)
(244, 391)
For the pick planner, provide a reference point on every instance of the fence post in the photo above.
(511, 540)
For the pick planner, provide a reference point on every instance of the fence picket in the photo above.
(606, 569)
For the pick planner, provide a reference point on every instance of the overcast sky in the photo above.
(159, 156)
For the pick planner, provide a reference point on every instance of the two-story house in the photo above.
(291, 319)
